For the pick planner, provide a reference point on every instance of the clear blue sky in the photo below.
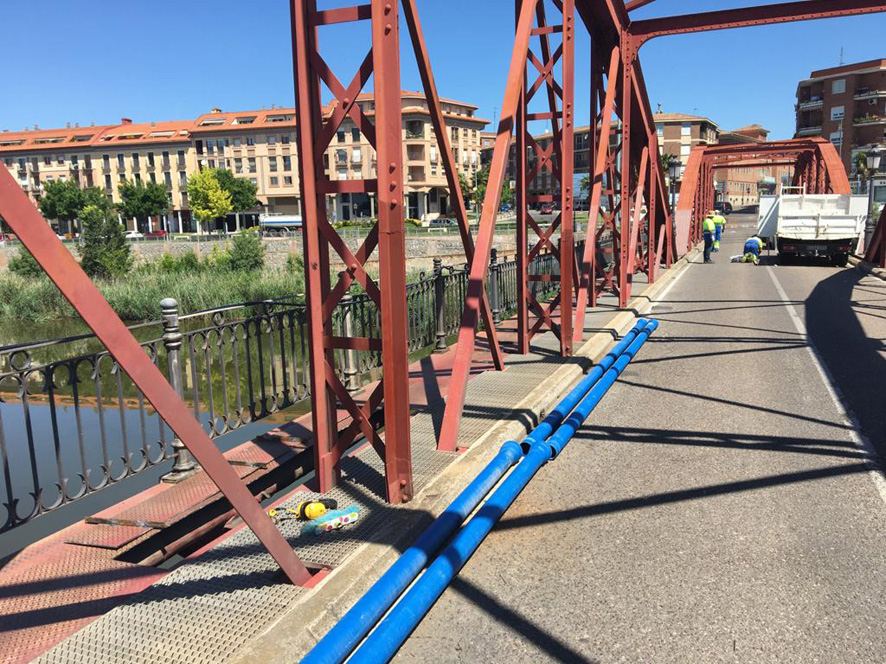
(95, 60)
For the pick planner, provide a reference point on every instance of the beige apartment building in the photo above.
(678, 133)
(257, 145)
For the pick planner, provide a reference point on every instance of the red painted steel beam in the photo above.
(805, 10)
(392, 249)
(307, 126)
(752, 164)
(467, 336)
(410, 13)
(34, 232)
(636, 4)
(602, 151)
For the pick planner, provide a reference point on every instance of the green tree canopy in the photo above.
(242, 191)
(208, 199)
(141, 200)
(104, 251)
(63, 200)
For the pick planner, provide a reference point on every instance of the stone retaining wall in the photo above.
(420, 250)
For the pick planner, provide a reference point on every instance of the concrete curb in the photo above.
(868, 268)
(297, 630)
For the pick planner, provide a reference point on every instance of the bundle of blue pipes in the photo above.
(543, 444)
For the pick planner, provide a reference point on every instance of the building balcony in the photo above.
(867, 93)
(166, 165)
(810, 104)
(809, 131)
(865, 120)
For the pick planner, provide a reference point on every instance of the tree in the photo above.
(242, 191)
(208, 199)
(247, 252)
(63, 200)
(507, 194)
(585, 184)
(466, 192)
(104, 251)
(141, 200)
(480, 179)
(861, 165)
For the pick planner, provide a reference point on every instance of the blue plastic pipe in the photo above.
(383, 643)
(550, 423)
(341, 640)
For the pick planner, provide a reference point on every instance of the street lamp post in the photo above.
(675, 170)
(873, 158)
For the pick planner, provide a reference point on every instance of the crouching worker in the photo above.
(752, 249)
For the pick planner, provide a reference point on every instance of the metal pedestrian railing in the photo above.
(72, 423)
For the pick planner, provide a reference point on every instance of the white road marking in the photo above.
(663, 295)
(855, 432)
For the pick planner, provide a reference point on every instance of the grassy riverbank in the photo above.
(137, 297)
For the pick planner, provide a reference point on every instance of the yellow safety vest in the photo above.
(708, 225)
(719, 220)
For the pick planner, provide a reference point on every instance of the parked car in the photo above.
(723, 206)
(156, 233)
(133, 235)
(505, 207)
(547, 208)
(442, 222)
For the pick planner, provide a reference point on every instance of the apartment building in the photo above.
(257, 145)
(678, 133)
(350, 157)
(846, 105)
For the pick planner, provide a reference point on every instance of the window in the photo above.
(181, 157)
(287, 163)
(182, 179)
(275, 181)
(138, 177)
(121, 161)
(252, 165)
(284, 139)
(838, 87)
(238, 165)
(685, 150)
(222, 144)
(210, 147)
(659, 129)
(135, 160)
(272, 140)
(212, 163)
(287, 180)
(108, 183)
(167, 177)
(838, 112)
(153, 177)
(60, 159)
(686, 129)
(272, 164)
(238, 142)
(151, 159)
(356, 157)
(340, 135)
(166, 159)
(244, 120)
(250, 140)
(355, 135)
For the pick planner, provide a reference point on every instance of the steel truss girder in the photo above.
(35, 233)
(387, 404)
(804, 10)
(558, 159)
(817, 166)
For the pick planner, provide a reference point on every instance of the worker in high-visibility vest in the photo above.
(707, 229)
(752, 249)
(719, 225)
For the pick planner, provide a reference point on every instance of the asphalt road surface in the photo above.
(718, 506)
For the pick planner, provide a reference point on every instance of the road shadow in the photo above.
(854, 359)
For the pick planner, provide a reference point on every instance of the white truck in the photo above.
(277, 225)
(800, 224)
